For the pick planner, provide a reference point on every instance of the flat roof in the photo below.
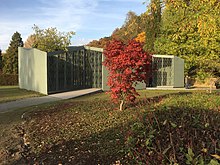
(163, 56)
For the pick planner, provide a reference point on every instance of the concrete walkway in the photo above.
(4, 107)
(181, 89)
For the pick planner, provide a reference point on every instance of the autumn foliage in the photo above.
(127, 65)
(141, 37)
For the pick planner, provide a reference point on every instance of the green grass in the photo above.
(11, 93)
(143, 94)
(88, 129)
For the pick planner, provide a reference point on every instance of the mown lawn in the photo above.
(11, 93)
(91, 130)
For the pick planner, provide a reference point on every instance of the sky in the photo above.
(89, 19)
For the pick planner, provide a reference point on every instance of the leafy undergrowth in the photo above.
(175, 128)
(183, 129)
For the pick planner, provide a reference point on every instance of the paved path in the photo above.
(180, 89)
(4, 107)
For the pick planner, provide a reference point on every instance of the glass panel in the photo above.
(162, 71)
(76, 69)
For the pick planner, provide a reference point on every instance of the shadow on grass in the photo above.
(103, 148)
(156, 99)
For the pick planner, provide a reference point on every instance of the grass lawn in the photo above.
(11, 93)
(90, 129)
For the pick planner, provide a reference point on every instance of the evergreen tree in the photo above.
(11, 56)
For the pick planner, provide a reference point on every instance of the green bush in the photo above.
(8, 79)
(181, 130)
(217, 83)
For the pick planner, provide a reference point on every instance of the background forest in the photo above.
(189, 29)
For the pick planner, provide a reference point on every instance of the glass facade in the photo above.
(78, 68)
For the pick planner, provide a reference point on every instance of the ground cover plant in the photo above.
(90, 130)
(92, 107)
(11, 93)
(184, 129)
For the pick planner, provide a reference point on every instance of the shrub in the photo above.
(217, 83)
(127, 65)
(8, 79)
(176, 133)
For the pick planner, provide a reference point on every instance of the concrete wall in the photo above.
(105, 72)
(178, 72)
(176, 77)
(32, 70)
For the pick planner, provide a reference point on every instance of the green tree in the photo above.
(101, 43)
(1, 60)
(191, 30)
(153, 24)
(10, 58)
(51, 39)
(132, 26)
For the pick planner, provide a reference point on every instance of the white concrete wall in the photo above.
(178, 72)
(177, 75)
(32, 70)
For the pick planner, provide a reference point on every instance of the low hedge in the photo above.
(8, 79)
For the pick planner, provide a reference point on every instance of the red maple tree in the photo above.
(127, 65)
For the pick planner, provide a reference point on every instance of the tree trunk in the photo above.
(121, 105)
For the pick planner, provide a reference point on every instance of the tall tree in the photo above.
(132, 26)
(101, 43)
(51, 39)
(153, 24)
(191, 30)
(10, 58)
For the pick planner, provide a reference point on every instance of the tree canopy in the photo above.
(133, 26)
(0, 60)
(30, 42)
(153, 24)
(49, 39)
(101, 43)
(191, 29)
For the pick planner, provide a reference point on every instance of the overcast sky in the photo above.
(90, 19)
